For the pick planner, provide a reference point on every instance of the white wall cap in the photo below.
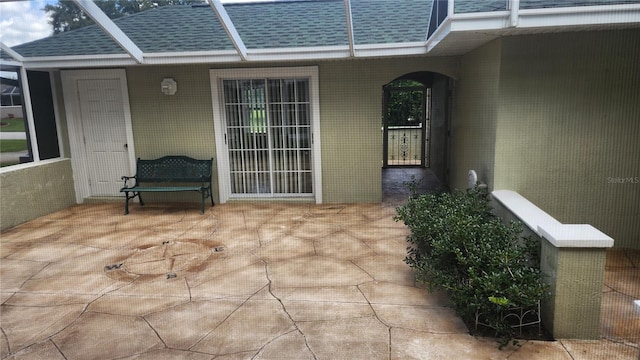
(531, 215)
(575, 235)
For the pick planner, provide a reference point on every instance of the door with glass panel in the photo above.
(268, 137)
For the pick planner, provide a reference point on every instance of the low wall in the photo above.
(10, 111)
(572, 262)
(32, 190)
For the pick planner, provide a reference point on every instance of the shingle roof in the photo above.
(290, 24)
(268, 25)
(279, 24)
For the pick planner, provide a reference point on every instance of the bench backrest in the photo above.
(174, 169)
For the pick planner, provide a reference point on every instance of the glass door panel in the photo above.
(268, 131)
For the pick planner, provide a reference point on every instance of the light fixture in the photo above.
(168, 86)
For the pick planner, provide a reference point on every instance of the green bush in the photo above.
(459, 245)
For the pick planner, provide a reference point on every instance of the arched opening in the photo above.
(416, 110)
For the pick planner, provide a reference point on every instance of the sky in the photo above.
(23, 21)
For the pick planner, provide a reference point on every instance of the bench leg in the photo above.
(126, 203)
(128, 197)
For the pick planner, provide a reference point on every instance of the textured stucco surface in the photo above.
(34, 191)
(473, 130)
(568, 131)
(350, 119)
(554, 117)
(576, 277)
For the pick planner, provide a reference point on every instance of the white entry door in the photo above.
(101, 128)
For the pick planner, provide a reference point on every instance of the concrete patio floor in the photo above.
(246, 281)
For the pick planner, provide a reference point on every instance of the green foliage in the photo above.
(12, 125)
(13, 145)
(405, 103)
(458, 245)
(65, 15)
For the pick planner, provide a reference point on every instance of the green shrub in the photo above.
(459, 245)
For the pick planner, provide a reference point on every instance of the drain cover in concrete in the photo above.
(165, 258)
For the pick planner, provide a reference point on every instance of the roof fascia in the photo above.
(391, 49)
(78, 61)
(544, 17)
(9, 51)
(347, 10)
(305, 53)
(9, 65)
(230, 56)
(493, 20)
(229, 27)
(579, 16)
(108, 26)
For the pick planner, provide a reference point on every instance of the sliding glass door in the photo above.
(268, 136)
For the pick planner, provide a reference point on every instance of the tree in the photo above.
(66, 16)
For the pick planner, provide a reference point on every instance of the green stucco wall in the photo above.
(30, 191)
(180, 124)
(568, 127)
(556, 118)
(350, 118)
(575, 277)
(473, 129)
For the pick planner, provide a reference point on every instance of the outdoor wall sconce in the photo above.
(168, 86)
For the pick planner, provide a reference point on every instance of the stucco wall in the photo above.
(473, 128)
(568, 127)
(32, 190)
(180, 124)
(350, 118)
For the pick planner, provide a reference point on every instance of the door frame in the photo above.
(79, 161)
(219, 120)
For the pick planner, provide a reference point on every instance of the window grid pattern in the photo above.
(268, 124)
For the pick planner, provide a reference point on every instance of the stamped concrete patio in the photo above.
(242, 281)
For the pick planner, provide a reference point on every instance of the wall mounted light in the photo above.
(168, 86)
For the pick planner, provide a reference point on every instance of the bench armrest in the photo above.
(125, 179)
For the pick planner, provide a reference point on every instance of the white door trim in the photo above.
(217, 98)
(75, 129)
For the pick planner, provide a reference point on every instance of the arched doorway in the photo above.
(415, 123)
(406, 110)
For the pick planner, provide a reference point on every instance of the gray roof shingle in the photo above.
(276, 24)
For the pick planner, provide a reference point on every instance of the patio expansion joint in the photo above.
(284, 308)
(207, 333)
(5, 339)
(375, 314)
(155, 332)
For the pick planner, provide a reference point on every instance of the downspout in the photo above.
(514, 8)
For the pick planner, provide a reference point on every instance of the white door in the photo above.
(100, 132)
(105, 137)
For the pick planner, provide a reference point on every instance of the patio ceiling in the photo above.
(308, 30)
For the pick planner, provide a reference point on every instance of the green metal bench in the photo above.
(169, 174)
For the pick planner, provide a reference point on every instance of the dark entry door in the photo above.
(405, 126)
